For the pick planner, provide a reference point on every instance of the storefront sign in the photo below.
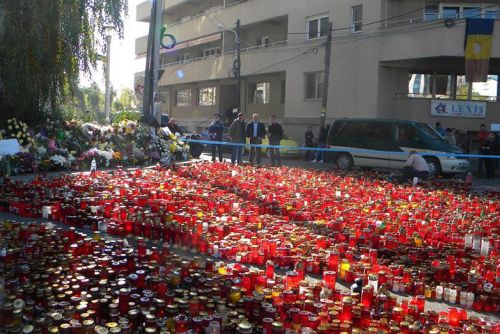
(466, 109)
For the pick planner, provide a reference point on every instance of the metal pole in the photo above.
(156, 59)
(238, 63)
(328, 56)
(107, 102)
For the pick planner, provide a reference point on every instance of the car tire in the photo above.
(344, 161)
(434, 166)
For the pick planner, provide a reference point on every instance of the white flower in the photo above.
(41, 150)
(17, 126)
(58, 160)
(10, 127)
(19, 134)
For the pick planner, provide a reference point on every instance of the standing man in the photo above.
(482, 136)
(237, 134)
(309, 136)
(255, 131)
(275, 134)
(215, 132)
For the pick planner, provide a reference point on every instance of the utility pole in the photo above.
(328, 57)
(237, 63)
(107, 102)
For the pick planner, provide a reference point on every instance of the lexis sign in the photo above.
(465, 109)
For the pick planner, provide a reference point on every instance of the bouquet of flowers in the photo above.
(18, 130)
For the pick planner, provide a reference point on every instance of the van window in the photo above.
(405, 133)
(351, 129)
(378, 130)
(430, 132)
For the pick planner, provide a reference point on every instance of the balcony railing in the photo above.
(206, 12)
(230, 52)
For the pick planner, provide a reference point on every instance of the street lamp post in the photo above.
(107, 102)
(237, 62)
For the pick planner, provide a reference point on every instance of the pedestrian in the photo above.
(320, 155)
(173, 127)
(450, 136)
(482, 136)
(463, 140)
(237, 135)
(275, 134)
(488, 149)
(415, 166)
(309, 141)
(215, 132)
(440, 130)
(255, 131)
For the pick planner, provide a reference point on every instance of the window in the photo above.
(314, 85)
(263, 41)
(185, 57)
(183, 97)
(471, 12)
(317, 27)
(207, 96)
(212, 52)
(443, 84)
(259, 92)
(450, 12)
(357, 18)
(431, 12)
(486, 91)
(419, 85)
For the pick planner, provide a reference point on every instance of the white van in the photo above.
(387, 136)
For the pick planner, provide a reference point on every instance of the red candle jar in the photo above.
(330, 277)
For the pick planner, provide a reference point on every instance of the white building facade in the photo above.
(390, 59)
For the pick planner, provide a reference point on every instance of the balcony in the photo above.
(143, 11)
(426, 39)
(255, 60)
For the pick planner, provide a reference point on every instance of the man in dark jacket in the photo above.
(173, 127)
(215, 132)
(237, 134)
(256, 131)
(275, 134)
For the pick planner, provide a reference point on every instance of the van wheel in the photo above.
(434, 166)
(344, 161)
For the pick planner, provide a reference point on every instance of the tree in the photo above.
(44, 45)
(126, 102)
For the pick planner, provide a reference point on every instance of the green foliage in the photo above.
(44, 46)
(126, 116)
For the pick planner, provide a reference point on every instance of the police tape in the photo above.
(342, 150)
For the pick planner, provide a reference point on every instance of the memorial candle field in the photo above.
(428, 242)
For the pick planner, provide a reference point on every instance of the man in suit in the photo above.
(256, 131)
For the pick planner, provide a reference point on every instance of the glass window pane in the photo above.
(261, 93)
(310, 86)
(313, 29)
(419, 85)
(183, 98)
(490, 14)
(485, 91)
(431, 12)
(324, 27)
(357, 13)
(207, 96)
(450, 12)
(471, 12)
(462, 91)
(320, 78)
(443, 86)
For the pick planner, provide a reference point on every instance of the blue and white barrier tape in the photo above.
(350, 150)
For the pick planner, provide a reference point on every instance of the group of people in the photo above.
(255, 131)
(488, 144)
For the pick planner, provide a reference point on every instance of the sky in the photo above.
(123, 60)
